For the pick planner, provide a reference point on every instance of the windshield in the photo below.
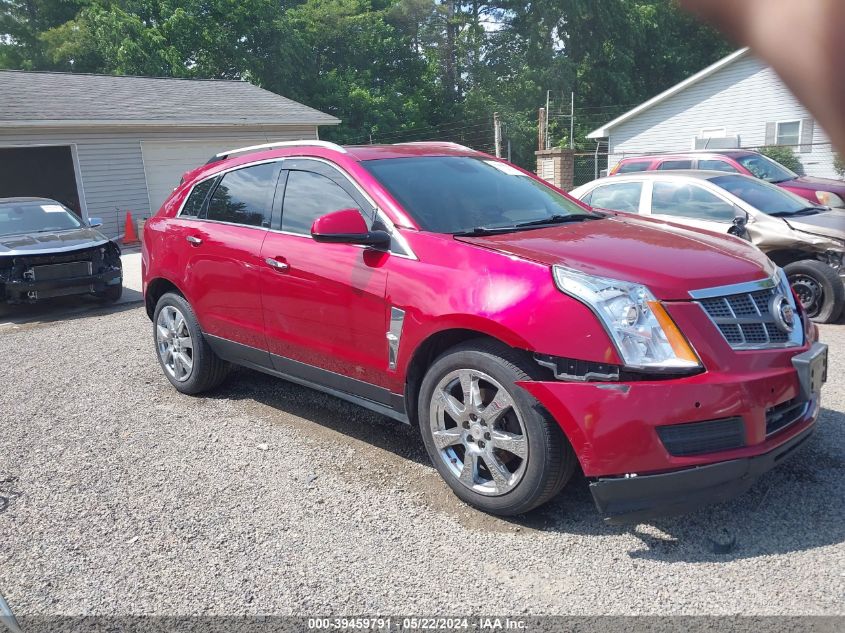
(36, 217)
(456, 194)
(765, 168)
(763, 196)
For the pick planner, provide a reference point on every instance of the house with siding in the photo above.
(737, 102)
(104, 145)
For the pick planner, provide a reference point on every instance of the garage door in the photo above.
(166, 161)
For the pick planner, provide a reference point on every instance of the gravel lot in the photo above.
(120, 496)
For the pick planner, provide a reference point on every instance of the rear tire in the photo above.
(492, 442)
(185, 356)
(819, 287)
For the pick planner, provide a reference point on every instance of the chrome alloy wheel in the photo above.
(478, 432)
(174, 343)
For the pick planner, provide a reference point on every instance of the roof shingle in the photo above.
(49, 98)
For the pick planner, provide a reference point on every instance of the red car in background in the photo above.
(524, 333)
(826, 191)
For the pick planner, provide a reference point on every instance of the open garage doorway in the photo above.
(45, 172)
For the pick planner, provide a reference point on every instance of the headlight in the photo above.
(829, 199)
(644, 334)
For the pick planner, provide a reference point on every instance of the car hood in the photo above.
(670, 259)
(816, 184)
(52, 242)
(827, 224)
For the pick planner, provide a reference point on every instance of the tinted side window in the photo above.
(689, 201)
(675, 164)
(194, 203)
(627, 168)
(717, 165)
(307, 197)
(244, 196)
(623, 196)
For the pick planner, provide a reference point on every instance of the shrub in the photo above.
(839, 164)
(785, 156)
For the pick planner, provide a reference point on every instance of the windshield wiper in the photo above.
(552, 219)
(811, 210)
(558, 219)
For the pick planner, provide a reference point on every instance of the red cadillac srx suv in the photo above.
(524, 333)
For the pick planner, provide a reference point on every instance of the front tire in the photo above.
(819, 288)
(187, 360)
(112, 293)
(489, 439)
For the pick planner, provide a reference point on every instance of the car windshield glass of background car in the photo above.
(765, 168)
(760, 195)
(36, 217)
(452, 194)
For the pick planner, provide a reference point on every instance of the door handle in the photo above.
(193, 239)
(275, 263)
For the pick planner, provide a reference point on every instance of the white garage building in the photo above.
(104, 145)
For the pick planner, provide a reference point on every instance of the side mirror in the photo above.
(347, 227)
(738, 226)
(95, 222)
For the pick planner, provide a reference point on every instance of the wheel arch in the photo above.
(432, 346)
(155, 289)
(784, 256)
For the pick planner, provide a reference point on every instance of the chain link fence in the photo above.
(589, 166)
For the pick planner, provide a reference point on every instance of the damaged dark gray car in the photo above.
(47, 251)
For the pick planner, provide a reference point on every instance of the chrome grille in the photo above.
(743, 316)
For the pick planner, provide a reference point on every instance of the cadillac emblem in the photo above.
(783, 313)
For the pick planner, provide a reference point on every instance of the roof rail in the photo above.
(255, 148)
(449, 143)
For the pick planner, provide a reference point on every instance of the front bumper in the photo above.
(22, 291)
(633, 499)
(618, 429)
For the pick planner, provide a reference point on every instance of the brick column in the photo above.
(557, 166)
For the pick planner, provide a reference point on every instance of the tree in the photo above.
(839, 165)
(21, 24)
(389, 69)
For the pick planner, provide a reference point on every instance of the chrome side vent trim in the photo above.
(394, 335)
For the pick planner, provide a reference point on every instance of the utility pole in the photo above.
(541, 137)
(546, 145)
(572, 121)
(497, 134)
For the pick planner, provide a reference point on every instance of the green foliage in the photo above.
(785, 156)
(839, 165)
(390, 69)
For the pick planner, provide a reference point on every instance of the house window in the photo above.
(788, 132)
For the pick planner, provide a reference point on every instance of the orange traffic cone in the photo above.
(129, 235)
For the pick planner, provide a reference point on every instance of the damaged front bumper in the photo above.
(26, 279)
(653, 448)
(633, 499)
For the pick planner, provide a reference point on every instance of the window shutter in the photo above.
(771, 133)
(806, 136)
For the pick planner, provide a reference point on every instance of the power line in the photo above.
(446, 126)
